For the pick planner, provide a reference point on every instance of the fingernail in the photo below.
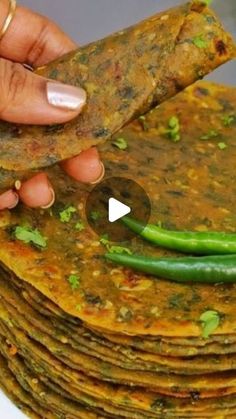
(37, 191)
(8, 200)
(66, 97)
(52, 200)
(15, 203)
(101, 176)
(17, 185)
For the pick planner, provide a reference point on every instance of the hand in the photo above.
(30, 99)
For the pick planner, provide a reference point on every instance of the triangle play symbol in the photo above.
(117, 210)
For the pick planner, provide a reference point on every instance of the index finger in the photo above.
(32, 38)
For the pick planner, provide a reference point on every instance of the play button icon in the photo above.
(117, 210)
(110, 201)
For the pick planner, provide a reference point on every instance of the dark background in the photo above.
(87, 20)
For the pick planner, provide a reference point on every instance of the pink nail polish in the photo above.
(66, 97)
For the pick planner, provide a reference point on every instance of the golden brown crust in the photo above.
(125, 75)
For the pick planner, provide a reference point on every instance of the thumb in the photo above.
(27, 98)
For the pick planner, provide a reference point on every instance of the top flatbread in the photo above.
(124, 75)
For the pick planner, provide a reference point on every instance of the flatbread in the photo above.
(132, 397)
(153, 61)
(184, 347)
(20, 397)
(28, 319)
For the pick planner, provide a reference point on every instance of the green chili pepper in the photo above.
(205, 269)
(202, 243)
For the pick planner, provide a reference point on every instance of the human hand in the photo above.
(30, 99)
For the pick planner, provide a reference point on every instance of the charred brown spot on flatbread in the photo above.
(221, 48)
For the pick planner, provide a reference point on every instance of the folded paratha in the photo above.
(125, 75)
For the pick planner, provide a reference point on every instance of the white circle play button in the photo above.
(113, 199)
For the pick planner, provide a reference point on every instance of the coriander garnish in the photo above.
(210, 320)
(74, 281)
(29, 235)
(228, 120)
(114, 249)
(120, 143)
(119, 250)
(66, 214)
(222, 146)
(173, 130)
(200, 42)
(211, 134)
(79, 226)
(104, 240)
(95, 215)
(207, 2)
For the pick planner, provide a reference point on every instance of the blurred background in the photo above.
(87, 20)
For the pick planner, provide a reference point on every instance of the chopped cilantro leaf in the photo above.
(222, 146)
(74, 281)
(79, 226)
(95, 215)
(28, 235)
(207, 2)
(228, 120)
(173, 122)
(200, 42)
(65, 215)
(211, 134)
(210, 320)
(104, 239)
(120, 143)
(173, 130)
(119, 249)
(113, 249)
